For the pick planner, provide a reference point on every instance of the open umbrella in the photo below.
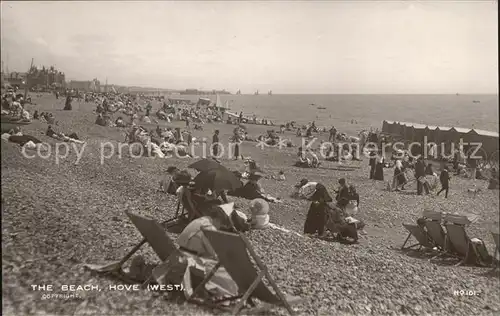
(218, 180)
(206, 165)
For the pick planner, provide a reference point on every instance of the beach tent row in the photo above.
(440, 134)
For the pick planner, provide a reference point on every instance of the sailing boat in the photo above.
(256, 92)
(238, 92)
(218, 103)
(270, 92)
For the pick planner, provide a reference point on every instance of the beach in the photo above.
(57, 217)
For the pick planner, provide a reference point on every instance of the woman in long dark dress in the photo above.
(316, 216)
(67, 106)
(379, 170)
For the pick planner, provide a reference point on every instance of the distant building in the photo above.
(16, 79)
(89, 85)
(45, 78)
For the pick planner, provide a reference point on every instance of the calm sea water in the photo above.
(370, 110)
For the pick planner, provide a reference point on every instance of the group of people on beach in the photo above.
(324, 216)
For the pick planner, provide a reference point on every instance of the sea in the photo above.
(368, 111)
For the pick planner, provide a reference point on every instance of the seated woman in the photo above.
(250, 168)
(167, 183)
(119, 122)
(193, 242)
(338, 223)
(352, 206)
(252, 189)
(100, 120)
(303, 161)
(314, 159)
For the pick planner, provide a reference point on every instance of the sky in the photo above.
(345, 47)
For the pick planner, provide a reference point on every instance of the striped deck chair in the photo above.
(420, 235)
(232, 251)
(468, 249)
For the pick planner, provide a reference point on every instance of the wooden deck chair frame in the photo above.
(420, 235)
(248, 290)
(439, 236)
(116, 267)
(456, 231)
(179, 213)
(154, 234)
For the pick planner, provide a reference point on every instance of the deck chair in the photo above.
(420, 235)
(465, 247)
(232, 252)
(153, 233)
(158, 239)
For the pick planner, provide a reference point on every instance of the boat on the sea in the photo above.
(476, 101)
(238, 92)
(312, 104)
(270, 92)
(256, 92)
(321, 108)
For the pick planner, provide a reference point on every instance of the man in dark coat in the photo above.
(419, 173)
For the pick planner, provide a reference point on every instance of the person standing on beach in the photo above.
(215, 144)
(372, 163)
(472, 162)
(444, 178)
(67, 106)
(236, 140)
(420, 175)
(333, 134)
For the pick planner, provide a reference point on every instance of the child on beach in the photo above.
(444, 178)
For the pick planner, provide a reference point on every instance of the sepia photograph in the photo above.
(250, 158)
